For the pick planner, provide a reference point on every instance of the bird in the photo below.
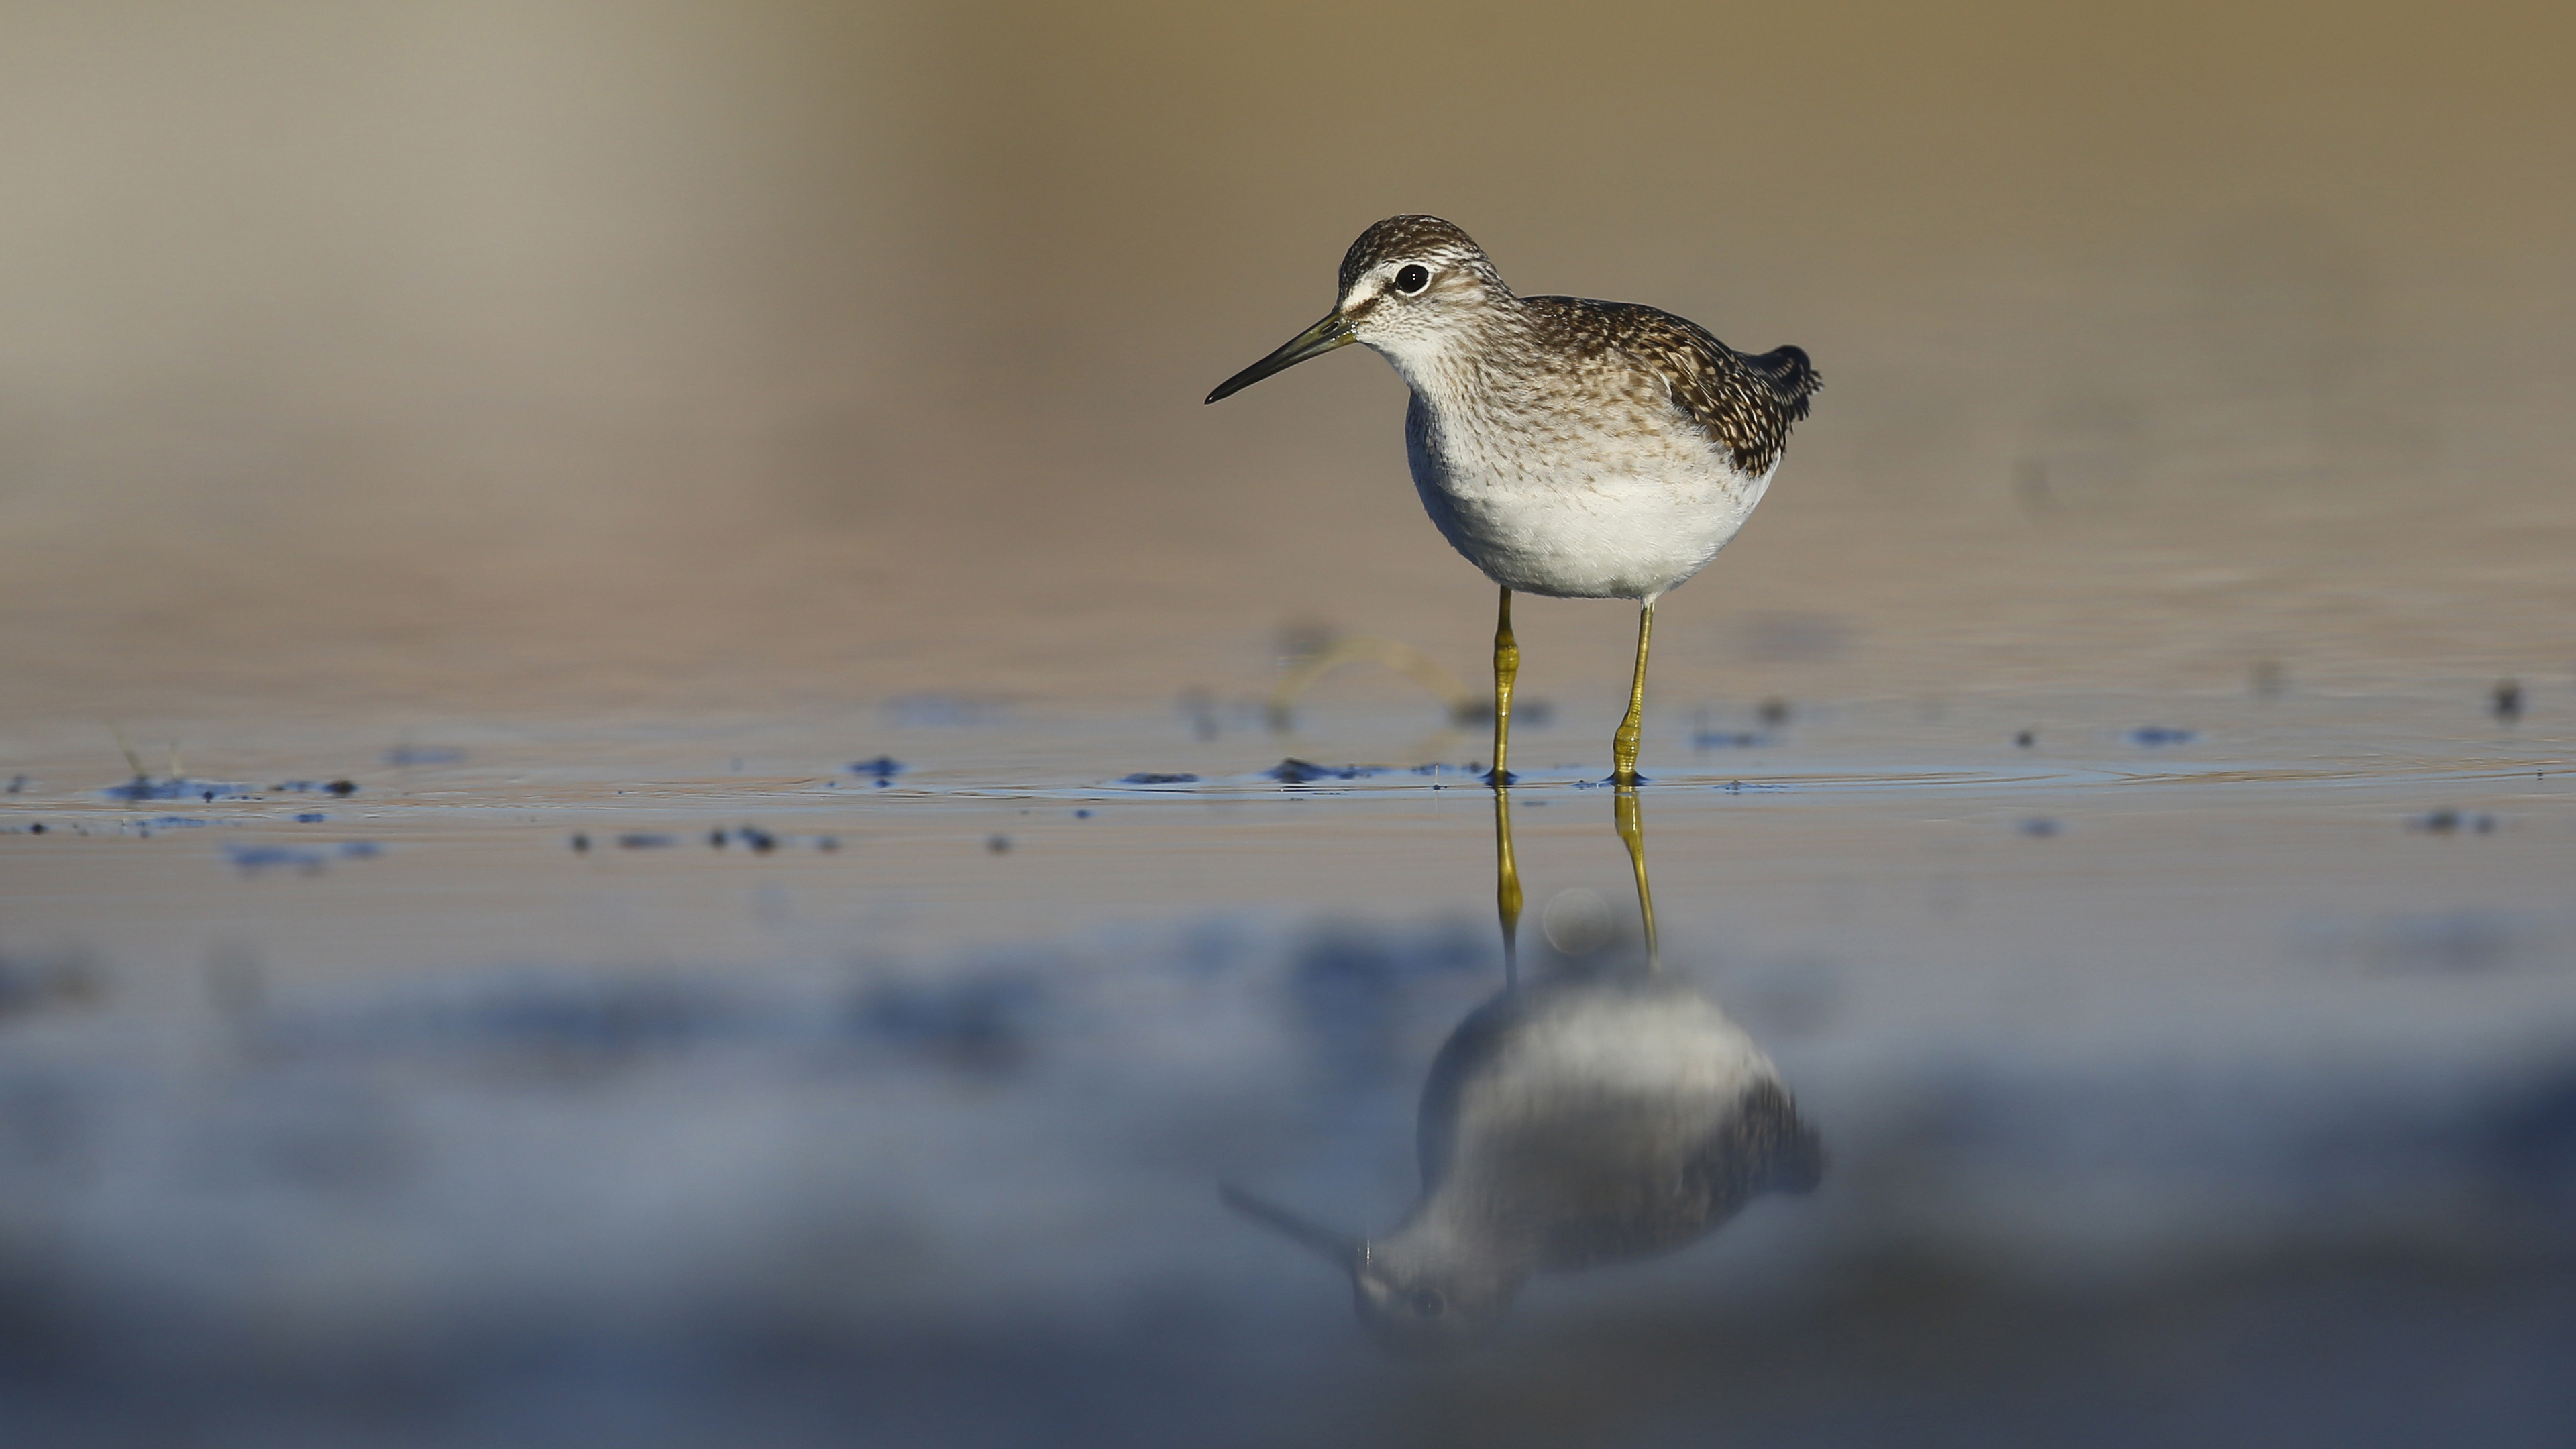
(1568, 447)
(1601, 1114)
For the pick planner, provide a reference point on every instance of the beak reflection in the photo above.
(1347, 1251)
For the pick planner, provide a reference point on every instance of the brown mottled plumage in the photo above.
(1745, 402)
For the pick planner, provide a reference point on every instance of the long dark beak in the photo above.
(1343, 1250)
(1315, 341)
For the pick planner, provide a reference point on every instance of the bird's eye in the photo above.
(1428, 1302)
(1413, 279)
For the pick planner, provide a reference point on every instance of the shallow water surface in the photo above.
(804, 1082)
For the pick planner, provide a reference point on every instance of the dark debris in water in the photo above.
(882, 769)
(1294, 771)
(2039, 827)
(144, 787)
(2156, 736)
(1148, 777)
(342, 788)
(751, 837)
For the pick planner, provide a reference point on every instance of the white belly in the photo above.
(1580, 511)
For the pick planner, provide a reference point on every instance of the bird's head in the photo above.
(1420, 1297)
(1419, 1292)
(1410, 287)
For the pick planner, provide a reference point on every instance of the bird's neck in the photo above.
(1454, 366)
(1463, 1234)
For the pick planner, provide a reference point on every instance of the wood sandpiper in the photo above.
(1567, 447)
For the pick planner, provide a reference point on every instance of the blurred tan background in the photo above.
(555, 357)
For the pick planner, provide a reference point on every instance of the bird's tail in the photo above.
(1791, 377)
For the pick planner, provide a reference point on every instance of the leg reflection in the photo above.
(1632, 833)
(1507, 887)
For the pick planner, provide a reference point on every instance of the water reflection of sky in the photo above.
(473, 1136)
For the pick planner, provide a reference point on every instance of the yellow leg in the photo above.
(1632, 833)
(1507, 667)
(1507, 887)
(1623, 745)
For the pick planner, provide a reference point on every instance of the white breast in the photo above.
(1603, 497)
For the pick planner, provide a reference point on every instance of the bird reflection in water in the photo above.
(1597, 1115)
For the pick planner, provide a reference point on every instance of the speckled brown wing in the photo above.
(1745, 403)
